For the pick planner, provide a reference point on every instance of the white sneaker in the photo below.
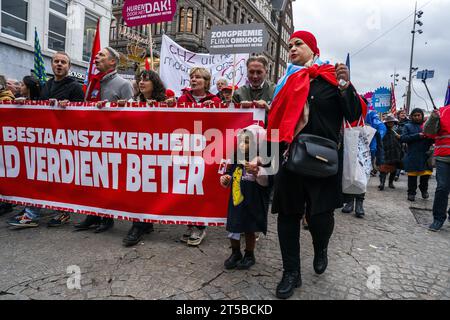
(187, 234)
(196, 237)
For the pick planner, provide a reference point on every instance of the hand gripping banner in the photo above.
(138, 162)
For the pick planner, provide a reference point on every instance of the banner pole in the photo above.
(151, 43)
(234, 74)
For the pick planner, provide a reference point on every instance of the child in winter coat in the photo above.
(249, 197)
(392, 156)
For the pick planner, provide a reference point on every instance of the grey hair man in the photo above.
(113, 87)
(259, 91)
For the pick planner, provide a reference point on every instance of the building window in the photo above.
(181, 27)
(15, 18)
(235, 15)
(208, 24)
(57, 25)
(90, 27)
(197, 22)
(229, 10)
(158, 28)
(190, 15)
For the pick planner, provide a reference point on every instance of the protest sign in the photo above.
(381, 100)
(140, 12)
(140, 163)
(237, 38)
(176, 62)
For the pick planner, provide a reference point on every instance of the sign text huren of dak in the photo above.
(140, 12)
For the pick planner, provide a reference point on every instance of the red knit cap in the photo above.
(307, 38)
(170, 93)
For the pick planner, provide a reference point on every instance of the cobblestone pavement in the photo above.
(413, 262)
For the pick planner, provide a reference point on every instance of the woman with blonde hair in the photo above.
(200, 83)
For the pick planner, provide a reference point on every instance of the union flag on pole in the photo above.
(393, 103)
(92, 70)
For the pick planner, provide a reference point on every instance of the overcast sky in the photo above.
(342, 26)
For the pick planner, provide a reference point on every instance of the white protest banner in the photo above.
(176, 62)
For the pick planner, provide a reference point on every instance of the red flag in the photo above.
(92, 71)
(393, 103)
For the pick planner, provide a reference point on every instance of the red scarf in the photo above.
(94, 89)
(287, 107)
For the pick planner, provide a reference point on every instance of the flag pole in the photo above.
(151, 43)
(234, 74)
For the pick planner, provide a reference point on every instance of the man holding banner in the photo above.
(259, 91)
(107, 85)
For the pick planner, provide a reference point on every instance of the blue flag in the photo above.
(447, 96)
(347, 63)
(39, 67)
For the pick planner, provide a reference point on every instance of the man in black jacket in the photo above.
(62, 87)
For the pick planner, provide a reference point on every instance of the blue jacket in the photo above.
(374, 121)
(416, 157)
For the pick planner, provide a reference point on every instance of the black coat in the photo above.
(392, 149)
(416, 157)
(292, 192)
(66, 89)
(251, 214)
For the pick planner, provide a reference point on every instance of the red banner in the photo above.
(152, 164)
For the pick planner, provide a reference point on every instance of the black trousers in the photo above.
(383, 176)
(412, 184)
(320, 226)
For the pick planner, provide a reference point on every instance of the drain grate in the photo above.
(423, 216)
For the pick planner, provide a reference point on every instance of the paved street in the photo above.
(413, 262)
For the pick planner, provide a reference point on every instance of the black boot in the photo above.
(359, 210)
(247, 261)
(233, 260)
(382, 181)
(90, 221)
(287, 285)
(348, 206)
(391, 181)
(320, 261)
(136, 232)
(105, 224)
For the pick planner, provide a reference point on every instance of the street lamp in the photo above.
(395, 76)
(417, 15)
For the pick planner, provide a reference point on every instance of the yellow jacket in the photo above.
(6, 95)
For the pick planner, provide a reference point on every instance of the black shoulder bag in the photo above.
(313, 156)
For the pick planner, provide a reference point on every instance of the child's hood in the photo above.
(258, 133)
